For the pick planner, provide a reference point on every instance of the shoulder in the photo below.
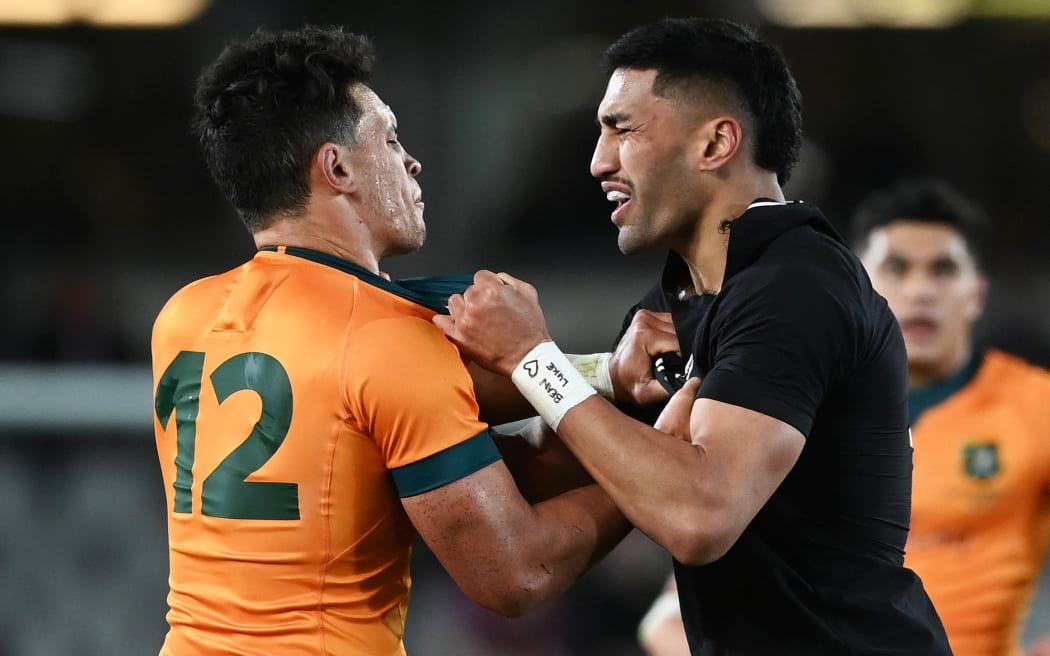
(198, 288)
(408, 343)
(401, 376)
(1007, 367)
(192, 301)
(808, 284)
(807, 252)
(1010, 381)
(807, 269)
(790, 275)
(407, 328)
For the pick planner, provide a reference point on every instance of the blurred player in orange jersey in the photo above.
(980, 506)
(981, 487)
(309, 417)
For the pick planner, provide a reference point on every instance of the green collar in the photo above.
(429, 291)
(923, 398)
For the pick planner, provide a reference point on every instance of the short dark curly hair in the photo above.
(265, 106)
(685, 51)
(925, 200)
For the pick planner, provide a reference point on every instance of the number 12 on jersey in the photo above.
(225, 492)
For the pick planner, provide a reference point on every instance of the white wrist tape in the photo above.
(595, 370)
(665, 607)
(548, 381)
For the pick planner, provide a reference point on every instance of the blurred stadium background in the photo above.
(108, 210)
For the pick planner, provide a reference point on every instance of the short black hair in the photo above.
(688, 50)
(265, 106)
(925, 200)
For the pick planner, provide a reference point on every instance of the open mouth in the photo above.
(919, 327)
(622, 200)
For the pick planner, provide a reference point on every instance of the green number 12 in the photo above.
(226, 492)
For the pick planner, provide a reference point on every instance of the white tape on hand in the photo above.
(595, 370)
(549, 381)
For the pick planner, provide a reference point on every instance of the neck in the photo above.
(707, 249)
(923, 375)
(317, 233)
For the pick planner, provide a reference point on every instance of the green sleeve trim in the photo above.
(446, 466)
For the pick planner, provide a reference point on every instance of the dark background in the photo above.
(107, 211)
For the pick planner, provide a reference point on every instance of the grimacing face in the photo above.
(643, 161)
(391, 199)
(931, 281)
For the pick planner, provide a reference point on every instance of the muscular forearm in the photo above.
(540, 463)
(575, 530)
(542, 555)
(665, 486)
(508, 555)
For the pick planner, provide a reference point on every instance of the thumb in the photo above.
(445, 323)
(674, 419)
(651, 391)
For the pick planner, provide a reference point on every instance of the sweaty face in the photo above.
(642, 159)
(390, 199)
(931, 281)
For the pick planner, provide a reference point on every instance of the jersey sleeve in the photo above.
(408, 388)
(779, 344)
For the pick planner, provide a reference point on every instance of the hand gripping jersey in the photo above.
(298, 397)
(980, 512)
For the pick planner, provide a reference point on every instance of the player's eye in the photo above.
(895, 266)
(945, 268)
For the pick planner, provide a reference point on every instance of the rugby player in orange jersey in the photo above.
(310, 418)
(981, 490)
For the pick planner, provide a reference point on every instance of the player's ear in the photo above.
(719, 140)
(332, 162)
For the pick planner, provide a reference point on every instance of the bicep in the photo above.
(754, 452)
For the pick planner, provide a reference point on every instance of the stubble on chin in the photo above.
(414, 242)
(417, 235)
(633, 240)
(624, 243)
(409, 239)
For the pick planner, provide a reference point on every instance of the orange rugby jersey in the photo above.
(298, 397)
(980, 512)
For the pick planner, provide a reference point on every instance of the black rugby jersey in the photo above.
(797, 333)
